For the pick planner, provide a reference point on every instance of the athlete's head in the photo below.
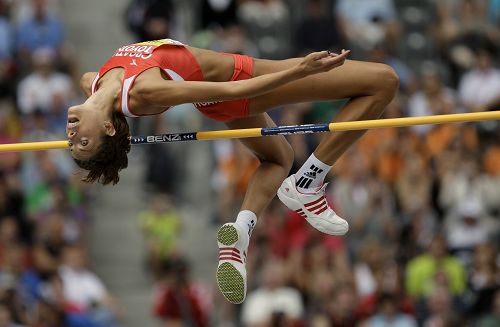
(99, 142)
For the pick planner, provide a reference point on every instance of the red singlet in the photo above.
(179, 64)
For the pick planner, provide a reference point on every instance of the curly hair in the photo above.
(111, 156)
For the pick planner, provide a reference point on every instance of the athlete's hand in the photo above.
(319, 62)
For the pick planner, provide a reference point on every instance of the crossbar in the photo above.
(279, 130)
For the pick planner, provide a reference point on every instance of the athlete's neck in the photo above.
(106, 98)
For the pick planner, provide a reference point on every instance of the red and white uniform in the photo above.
(179, 64)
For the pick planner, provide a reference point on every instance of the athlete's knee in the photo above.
(288, 156)
(282, 156)
(387, 80)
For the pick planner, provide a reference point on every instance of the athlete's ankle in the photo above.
(246, 221)
(310, 177)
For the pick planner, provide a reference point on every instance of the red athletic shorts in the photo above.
(228, 110)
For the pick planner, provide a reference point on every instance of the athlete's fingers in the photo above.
(323, 61)
(340, 57)
(334, 62)
(319, 55)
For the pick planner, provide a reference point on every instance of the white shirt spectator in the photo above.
(82, 287)
(262, 303)
(420, 104)
(480, 87)
(36, 91)
(365, 281)
(363, 20)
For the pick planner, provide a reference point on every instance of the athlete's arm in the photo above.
(170, 93)
(86, 82)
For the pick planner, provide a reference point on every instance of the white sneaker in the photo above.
(313, 207)
(231, 271)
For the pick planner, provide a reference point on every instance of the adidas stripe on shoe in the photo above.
(312, 207)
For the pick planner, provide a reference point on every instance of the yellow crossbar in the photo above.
(411, 121)
(256, 132)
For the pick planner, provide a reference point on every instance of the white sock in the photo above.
(246, 220)
(311, 175)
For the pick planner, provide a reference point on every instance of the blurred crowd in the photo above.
(423, 202)
(45, 277)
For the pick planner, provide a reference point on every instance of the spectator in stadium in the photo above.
(340, 309)
(371, 259)
(432, 269)
(433, 98)
(218, 13)
(388, 282)
(442, 312)
(47, 314)
(14, 265)
(9, 236)
(272, 303)
(9, 133)
(462, 27)
(465, 181)
(12, 204)
(45, 89)
(42, 30)
(413, 187)
(367, 22)
(389, 314)
(483, 280)
(267, 24)
(492, 319)
(480, 86)
(6, 319)
(83, 289)
(235, 166)
(43, 194)
(318, 18)
(160, 224)
(468, 227)
(149, 19)
(180, 301)
(360, 195)
(7, 65)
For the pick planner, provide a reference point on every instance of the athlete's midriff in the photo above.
(179, 62)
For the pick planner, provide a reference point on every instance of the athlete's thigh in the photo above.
(353, 78)
(269, 148)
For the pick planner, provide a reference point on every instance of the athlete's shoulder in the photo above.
(86, 82)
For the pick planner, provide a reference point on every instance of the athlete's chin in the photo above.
(81, 156)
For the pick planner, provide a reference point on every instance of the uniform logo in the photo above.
(133, 63)
(205, 104)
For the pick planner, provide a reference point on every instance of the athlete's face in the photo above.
(85, 128)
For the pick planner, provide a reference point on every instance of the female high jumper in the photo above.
(150, 77)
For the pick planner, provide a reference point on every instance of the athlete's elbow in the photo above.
(229, 92)
(237, 91)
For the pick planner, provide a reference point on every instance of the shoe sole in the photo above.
(285, 199)
(230, 281)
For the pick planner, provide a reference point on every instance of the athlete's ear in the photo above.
(109, 129)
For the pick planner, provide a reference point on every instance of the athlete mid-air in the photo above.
(148, 78)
